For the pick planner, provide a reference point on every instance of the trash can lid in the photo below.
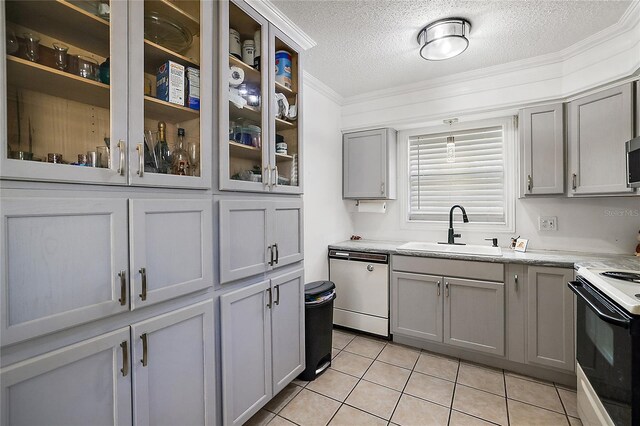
(318, 287)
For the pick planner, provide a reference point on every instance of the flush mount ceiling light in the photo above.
(444, 39)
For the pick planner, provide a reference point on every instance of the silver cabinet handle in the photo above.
(267, 180)
(143, 280)
(275, 170)
(125, 358)
(140, 148)
(277, 302)
(144, 359)
(446, 289)
(270, 298)
(438, 286)
(382, 188)
(529, 183)
(515, 281)
(270, 248)
(123, 287)
(275, 246)
(121, 147)
(370, 268)
(574, 181)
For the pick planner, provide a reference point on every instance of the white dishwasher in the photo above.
(362, 290)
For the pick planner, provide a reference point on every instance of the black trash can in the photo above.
(318, 316)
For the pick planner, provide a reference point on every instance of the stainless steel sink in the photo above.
(450, 248)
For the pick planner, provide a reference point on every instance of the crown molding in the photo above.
(322, 88)
(280, 20)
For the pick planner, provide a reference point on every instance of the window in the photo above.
(474, 176)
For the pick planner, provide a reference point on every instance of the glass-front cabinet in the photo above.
(259, 104)
(107, 92)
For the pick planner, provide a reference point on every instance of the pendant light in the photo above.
(444, 39)
(451, 142)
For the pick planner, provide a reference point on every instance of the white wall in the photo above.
(326, 218)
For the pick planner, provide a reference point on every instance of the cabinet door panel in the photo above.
(81, 384)
(516, 288)
(365, 164)
(543, 149)
(243, 238)
(288, 230)
(287, 328)
(474, 315)
(173, 241)
(176, 385)
(416, 305)
(61, 259)
(599, 126)
(245, 323)
(550, 325)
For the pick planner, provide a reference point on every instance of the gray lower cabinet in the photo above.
(416, 301)
(262, 343)
(258, 235)
(599, 125)
(88, 383)
(550, 318)
(515, 283)
(542, 146)
(474, 315)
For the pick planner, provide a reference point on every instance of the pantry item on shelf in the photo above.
(282, 105)
(104, 157)
(292, 114)
(105, 73)
(164, 31)
(21, 155)
(193, 149)
(193, 88)
(253, 95)
(294, 170)
(180, 163)
(281, 148)
(54, 158)
(104, 10)
(148, 86)
(247, 52)
(32, 47)
(235, 46)
(163, 153)
(236, 76)
(60, 56)
(251, 135)
(150, 159)
(283, 68)
(12, 42)
(92, 159)
(170, 83)
(87, 67)
(256, 50)
(82, 159)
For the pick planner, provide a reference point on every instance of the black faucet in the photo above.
(452, 236)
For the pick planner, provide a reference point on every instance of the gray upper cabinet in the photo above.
(542, 147)
(599, 125)
(369, 164)
(550, 320)
(416, 304)
(258, 235)
(474, 315)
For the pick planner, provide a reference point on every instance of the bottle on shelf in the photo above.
(163, 154)
(181, 162)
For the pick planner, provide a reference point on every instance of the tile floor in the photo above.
(374, 382)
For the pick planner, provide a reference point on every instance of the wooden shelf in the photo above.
(282, 89)
(285, 125)
(156, 55)
(239, 150)
(157, 109)
(251, 75)
(174, 12)
(64, 21)
(285, 157)
(249, 113)
(39, 78)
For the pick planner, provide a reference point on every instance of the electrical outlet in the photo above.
(548, 223)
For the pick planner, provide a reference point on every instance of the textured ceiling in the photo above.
(371, 45)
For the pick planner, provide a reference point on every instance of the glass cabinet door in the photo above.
(285, 119)
(168, 75)
(244, 154)
(64, 76)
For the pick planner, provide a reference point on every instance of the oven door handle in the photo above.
(580, 291)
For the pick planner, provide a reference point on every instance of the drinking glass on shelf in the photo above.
(32, 47)
(60, 55)
(104, 159)
(193, 149)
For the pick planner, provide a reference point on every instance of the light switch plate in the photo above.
(548, 223)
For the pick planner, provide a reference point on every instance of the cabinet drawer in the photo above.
(450, 268)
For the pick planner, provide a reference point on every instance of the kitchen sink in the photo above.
(451, 248)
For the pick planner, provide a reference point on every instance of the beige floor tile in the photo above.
(413, 411)
(365, 347)
(349, 416)
(537, 394)
(349, 363)
(430, 388)
(310, 408)
(333, 384)
(525, 415)
(481, 404)
(573, 421)
(340, 339)
(460, 419)
(401, 356)
(482, 378)
(387, 375)
(445, 368)
(278, 402)
(261, 418)
(301, 383)
(334, 352)
(375, 399)
(280, 421)
(569, 401)
(531, 379)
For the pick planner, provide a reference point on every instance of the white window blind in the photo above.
(475, 179)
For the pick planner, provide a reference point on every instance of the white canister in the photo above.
(247, 52)
(281, 148)
(256, 50)
(235, 46)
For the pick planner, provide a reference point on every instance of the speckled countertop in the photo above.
(565, 259)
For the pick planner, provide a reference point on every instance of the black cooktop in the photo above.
(626, 276)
